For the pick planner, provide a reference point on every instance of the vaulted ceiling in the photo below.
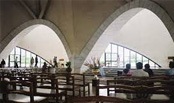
(74, 18)
(76, 22)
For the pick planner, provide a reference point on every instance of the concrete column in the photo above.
(76, 63)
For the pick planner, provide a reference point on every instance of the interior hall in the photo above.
(86, 51)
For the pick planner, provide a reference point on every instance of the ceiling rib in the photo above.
(28, 9)
(43, 10)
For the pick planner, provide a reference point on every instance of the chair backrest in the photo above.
(20, 82)
(66, 82)
(79, 78)
(141, 88)
(47, 85)
(97, 99)
(3, 86)
(81, 81)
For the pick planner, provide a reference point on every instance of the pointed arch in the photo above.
(7, 42)
(122, 18)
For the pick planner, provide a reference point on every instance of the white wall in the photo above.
(146, 34)
(7, 50)
(44, 41)
(141, 30)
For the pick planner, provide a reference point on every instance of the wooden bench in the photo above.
(49, 88)
(31, 86)
(141, 89)
(81, 81)
(97, 99)
(67, 83)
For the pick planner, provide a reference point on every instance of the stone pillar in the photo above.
(76, 62)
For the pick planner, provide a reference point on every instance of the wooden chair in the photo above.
(32, 91)
(67, 83)
(3, 88)
(18, 95)
(49, 88)
(106, 99)
(98, 99)
(80, 80)
(141, 88)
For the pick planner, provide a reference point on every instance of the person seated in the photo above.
(171, 70)
(148, 70)
(127, 70)
(140, 72)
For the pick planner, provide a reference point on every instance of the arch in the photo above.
(122, 17)
(8, 43)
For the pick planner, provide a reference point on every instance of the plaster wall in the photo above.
(13, 43)
(146, 34)
(44, 42)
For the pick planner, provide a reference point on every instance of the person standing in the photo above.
(3, 63)
(55, 61)
(16, 63)
(44, 67)
(31, 62)
(36, 61)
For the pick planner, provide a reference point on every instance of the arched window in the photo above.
(24, 57)
(118, 56)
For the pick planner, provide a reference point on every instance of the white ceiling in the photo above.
(147, 34)
(140, 30)
(44, 41)
(144, 33)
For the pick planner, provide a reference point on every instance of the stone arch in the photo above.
(31, 24)
(136, 6)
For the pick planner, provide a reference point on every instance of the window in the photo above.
(133, 59)
(139, 58)
(108, 49)
(118, 56)
(126, 56)
(27, 58)
(24, 58)
(145, 60)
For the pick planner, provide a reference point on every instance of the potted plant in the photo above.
(94, 65)
(68, 65)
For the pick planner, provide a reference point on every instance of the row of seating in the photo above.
(127, 89)
(42, 86)
(112, 71)
(72, 88)
(80, 79)
(141, 87)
